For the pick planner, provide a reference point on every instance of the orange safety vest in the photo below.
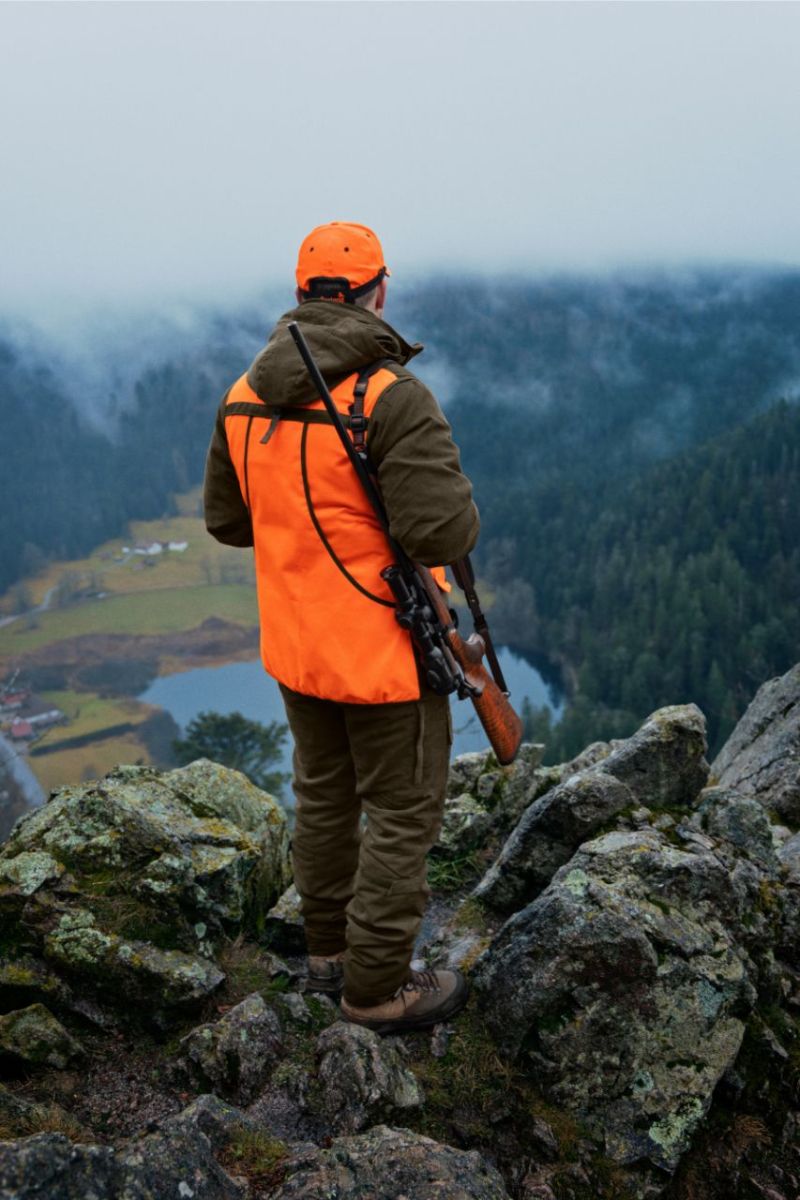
(327, 619)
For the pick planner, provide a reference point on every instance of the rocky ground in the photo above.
(629, 922)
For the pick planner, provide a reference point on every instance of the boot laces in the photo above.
(420, 981)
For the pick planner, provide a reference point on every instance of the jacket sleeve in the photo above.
(428, 497)
(227, 516)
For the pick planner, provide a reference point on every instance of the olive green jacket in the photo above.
(427, 496)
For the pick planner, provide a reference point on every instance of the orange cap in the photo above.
(341, 250)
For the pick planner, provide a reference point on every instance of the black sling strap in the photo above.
(358, 422)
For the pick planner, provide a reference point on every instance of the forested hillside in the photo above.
(636, 470)
(680, 583)
(67, 483)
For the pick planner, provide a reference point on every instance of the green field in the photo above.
(157, 611)
(88, 713)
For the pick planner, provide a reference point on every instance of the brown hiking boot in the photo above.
(325, 974)
(425, 999)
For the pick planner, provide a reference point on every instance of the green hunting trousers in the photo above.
(365, 890)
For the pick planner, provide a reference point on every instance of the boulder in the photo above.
(219, 1121)
(236, 1054)
(740, 821)
(33, 1035)
(126, 887)
(465, 825)
(192, 852)
(664, 762)
(26, 978)
(623, 988)
(761, 758)
(386, 1164)
(363, 1078)
(662, 765)
(163, 1166)
(549, 831)
(25, 873)
(294, 1007)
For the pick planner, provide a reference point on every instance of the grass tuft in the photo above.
(248, 969)
(256, 1155)
(447, 875)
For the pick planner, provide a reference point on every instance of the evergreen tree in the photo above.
(234, 741)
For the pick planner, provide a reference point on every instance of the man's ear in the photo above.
(380, 299)
(298, 295)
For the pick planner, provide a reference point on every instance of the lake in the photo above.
(246, 688)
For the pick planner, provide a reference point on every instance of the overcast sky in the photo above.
(151, 150)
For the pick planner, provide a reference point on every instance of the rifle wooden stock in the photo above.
(501, 724)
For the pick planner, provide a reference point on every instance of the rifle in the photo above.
(450, 662)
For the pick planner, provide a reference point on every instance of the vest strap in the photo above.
(306, 416)
(358, 423)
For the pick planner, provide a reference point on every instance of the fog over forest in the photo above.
(632, 438)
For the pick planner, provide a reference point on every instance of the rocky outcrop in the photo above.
(624, 989)
(199, 846)
(128, 884)
(762, 756)
(283, 924)
(634, 1029)
(387, 1163)
(662, 766)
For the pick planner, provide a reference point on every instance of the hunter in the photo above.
(369, 735)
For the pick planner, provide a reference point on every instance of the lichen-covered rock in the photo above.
(33, 1035)
(663, 764)
(762, 756)
(786, 899)
(464, 826)
(126, 970)
(363, 1078)
(237, 1053)
(196, 847)
(546, 836)
(175, 1166)
(385, 1164)
(283, 927)
(466, 770)
(208, 1114)
(484, 798)
(789, 857)
(25, 979)
(126, 887)
(25, 873)
(739, 820)
(295, 1008)
(624, 989)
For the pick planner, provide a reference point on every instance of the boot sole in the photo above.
(425, 1021)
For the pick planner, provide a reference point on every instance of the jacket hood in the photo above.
(343, 338)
